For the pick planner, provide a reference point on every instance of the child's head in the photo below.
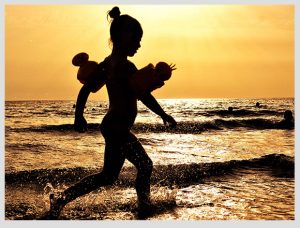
(125, 32)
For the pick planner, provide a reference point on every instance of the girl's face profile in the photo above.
(134, 45)
(130, 43)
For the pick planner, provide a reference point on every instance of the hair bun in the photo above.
(115, 12)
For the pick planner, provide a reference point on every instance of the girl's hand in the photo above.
(169, 120)
(80, 124)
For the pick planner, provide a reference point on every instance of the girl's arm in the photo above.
(93, 85)
(80, 123)
(153, 105)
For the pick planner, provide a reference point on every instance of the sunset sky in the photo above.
(219, 50)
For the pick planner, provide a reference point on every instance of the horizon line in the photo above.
(182, 98)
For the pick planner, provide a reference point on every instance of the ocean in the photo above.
(215, 165)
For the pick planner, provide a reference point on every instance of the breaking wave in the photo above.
(180, 174)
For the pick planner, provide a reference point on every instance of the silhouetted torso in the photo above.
(122, 102)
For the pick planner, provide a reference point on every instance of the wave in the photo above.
(181, 174)
(181, 128)
(243, 112)
(38, 147)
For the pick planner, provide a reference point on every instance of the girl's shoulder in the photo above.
(131, 65)
(127, 67)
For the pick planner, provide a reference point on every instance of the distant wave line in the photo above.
(181, 128)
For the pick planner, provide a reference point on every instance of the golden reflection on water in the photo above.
(163, 148)
(247, 194)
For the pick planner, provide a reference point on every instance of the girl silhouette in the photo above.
(120, 144)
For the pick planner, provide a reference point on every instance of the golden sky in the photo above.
(233, 51)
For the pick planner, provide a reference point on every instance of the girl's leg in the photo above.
(136, 154)
(113, 162)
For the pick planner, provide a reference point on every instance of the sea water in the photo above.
(215, 164)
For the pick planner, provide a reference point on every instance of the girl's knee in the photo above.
(147, 166)
(111, 180)
(108, 177)
(150, 164)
